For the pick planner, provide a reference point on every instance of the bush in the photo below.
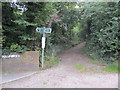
(18, 48)
(102, 41)
(6, 51)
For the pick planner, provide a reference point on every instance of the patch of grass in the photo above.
(81, 68)
(98, 62)
(44, 83)
(78, 66)
(111, 68)
(50, 61)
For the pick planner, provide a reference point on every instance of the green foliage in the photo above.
(27, 38)
(1, 38)
(98, 62)
(80, 67)
(102, 32)
(50, 62)
(6, 51)
(53, 50)
(93, 22)
(65, 29)
(19, 27)
(111, 68)
(17, 48)
(14, 47)
(24, 23)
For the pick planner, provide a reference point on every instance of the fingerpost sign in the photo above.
(43, 31)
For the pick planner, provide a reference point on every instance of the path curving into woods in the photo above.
(65, 75)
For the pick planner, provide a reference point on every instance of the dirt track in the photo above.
(66, 76)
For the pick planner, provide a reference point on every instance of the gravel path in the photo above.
(66, 76)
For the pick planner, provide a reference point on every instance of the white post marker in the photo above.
(43, 31)
(43, 42)
(43, 46)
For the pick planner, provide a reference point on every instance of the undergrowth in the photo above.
(109, 67)
(50, 62)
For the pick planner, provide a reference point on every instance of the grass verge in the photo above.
(50, 62)
(112, 68)
(98, 62)
(80, 67)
